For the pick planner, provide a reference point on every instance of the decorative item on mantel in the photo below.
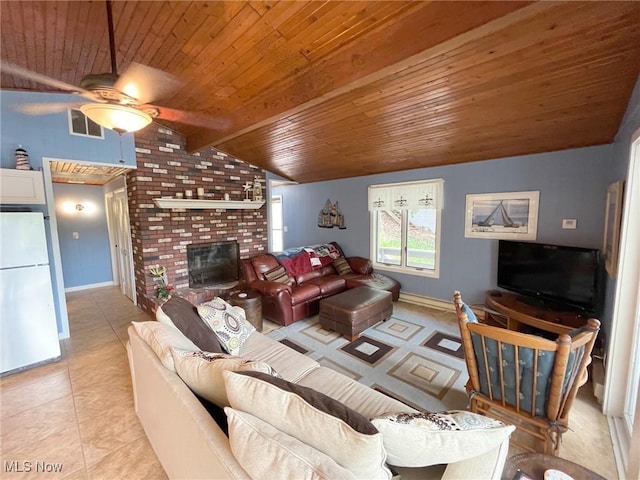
(331, 216)
(257, 189)
(22, 159)
(163, 289)
(248, 186)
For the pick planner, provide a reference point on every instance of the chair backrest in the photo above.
(530, 374)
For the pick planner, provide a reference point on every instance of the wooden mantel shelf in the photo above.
(168, 202)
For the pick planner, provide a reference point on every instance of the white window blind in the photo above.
(424, 194)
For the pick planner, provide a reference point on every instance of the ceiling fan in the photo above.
(118, 102)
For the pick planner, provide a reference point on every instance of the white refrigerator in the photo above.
(28, 329)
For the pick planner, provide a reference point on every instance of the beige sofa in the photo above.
(190, 444)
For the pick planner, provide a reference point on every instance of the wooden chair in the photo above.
(523, 379)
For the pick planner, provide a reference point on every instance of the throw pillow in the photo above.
(266, 452)
(342, 266)
(202, 372)
(423, 439)
(185, 317)
(163, 317)
(231, 328)
(313, 418)
(161, 338)
(278, 274)
(471, 316)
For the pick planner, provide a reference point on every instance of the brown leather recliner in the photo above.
(285, 303)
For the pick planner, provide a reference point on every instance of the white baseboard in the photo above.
(87, 287)
(436, 303)
(423, 301)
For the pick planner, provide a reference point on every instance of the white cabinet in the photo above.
(21, 187)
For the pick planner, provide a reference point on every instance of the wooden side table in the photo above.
(251, 302)
(535, 464)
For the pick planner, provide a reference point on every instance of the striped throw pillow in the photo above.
(342, 266)
(278, 274)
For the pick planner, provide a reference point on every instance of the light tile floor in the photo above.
(78, 412)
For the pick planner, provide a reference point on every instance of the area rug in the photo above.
(412, 358)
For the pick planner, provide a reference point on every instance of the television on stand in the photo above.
(554, 275)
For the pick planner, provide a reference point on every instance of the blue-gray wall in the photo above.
(87, 259)
(48, 136)
(572, 184)
(621, 151)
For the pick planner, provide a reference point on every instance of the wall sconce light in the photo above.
(77, 208)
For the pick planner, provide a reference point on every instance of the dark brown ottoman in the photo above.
(353, 311)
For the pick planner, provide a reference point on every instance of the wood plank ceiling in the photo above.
(84, 173)
(323, 90)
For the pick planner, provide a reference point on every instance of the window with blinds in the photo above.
(405, 226)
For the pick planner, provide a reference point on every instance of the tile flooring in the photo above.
(78, 412)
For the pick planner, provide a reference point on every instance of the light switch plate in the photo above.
(569, 223)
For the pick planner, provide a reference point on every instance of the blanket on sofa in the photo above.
(305, 259)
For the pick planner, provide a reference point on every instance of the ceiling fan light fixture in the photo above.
(119, 118)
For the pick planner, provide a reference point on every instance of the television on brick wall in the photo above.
(562, 276)
(211, 264)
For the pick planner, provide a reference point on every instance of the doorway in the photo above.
(120, 241)
(622, 401)
(57, 170)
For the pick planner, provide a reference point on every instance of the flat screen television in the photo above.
(559, 275)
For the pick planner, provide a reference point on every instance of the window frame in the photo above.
(86, 124)
(403, 268)
(276, 199)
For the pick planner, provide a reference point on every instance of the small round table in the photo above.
(251, 302)
(535, 464)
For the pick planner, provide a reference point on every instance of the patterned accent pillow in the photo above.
(281, 455)
(278, 274)
(342, 266)
(313, 418)
(231, 328)
(423, 439)
(202, 372)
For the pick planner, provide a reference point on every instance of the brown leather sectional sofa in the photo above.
(299, 298)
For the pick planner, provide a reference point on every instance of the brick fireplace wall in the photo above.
(160, 236)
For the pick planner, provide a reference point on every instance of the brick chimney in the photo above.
(160, 236)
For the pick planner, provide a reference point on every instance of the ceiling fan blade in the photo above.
(43, 79)
(146, 84)
(46, 108)
(197, 119)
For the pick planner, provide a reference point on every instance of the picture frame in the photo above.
(507, 216)
(613, 217)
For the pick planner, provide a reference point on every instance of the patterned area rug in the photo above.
(413, 358)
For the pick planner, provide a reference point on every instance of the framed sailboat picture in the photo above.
(509, 216)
